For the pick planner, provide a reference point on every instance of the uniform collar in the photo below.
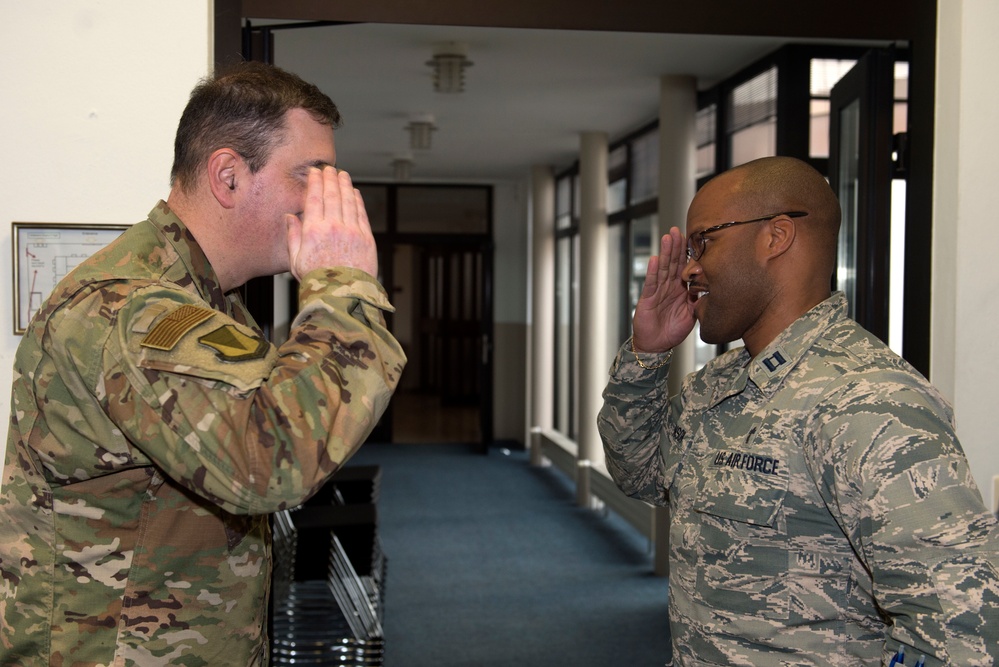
(176, 233)
(769, 368)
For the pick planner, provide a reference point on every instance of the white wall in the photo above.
(92, 92)
(965, 304)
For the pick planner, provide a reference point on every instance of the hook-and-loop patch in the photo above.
(168, 331)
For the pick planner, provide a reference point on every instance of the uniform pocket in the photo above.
(743, 536)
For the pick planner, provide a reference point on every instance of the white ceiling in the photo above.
(528, 95)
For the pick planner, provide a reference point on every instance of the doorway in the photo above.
(439, 298)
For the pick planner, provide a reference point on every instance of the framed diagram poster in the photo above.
(44, 253)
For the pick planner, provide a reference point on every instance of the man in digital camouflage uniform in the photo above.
(822, 509)
(153, 428)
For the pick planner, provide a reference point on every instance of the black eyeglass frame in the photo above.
(701, 241)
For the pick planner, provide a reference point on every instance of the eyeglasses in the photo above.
(696, 243)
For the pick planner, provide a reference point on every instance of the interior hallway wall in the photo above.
(511, 268)
(92, 95)
(965, 304)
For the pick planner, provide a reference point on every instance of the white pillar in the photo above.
(593, 315)
(677, 179)
(542, 340)
(677, 183)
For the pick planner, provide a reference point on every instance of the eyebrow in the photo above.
(303, 169)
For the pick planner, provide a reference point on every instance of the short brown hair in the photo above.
(243, 108)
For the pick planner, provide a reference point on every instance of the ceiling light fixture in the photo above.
(401, 166)
(449, 63)
(420, 128)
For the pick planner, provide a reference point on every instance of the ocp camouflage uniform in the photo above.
(152, 431)
(822, 510)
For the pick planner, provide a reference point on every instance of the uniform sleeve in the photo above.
(251, 427)
(630, 423)
(898, 483)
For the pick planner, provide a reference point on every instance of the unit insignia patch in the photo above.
(231, 344)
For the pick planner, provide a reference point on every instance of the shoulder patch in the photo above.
(169, 330)
(231, 344)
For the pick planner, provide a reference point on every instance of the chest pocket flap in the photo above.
(744, 486)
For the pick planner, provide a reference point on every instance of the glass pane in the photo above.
(443, 210)
(617, 287)
(753, 142)
(566, 334)
(900, 117)
(574, 343)
(825, 73)
(563, 313)
(576, 206)
(849, 158)
(705, 160)
(376, 204)
(818, 128)
(645, 167)
(616, 193)
(901, 80)
(706, 130)
(563, 189)
(752, 126)
(644, 243)
(754, 101)
(706, 127)
(617, 158)
(896, 275)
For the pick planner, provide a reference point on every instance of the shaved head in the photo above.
(789, 184)
(773, 184)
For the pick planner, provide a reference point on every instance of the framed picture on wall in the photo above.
(44, 253)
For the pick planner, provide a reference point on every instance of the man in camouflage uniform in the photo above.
(153, 428)
(822, 509)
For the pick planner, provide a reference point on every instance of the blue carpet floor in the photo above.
(491, 564)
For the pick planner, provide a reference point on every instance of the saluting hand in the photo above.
(333, 229)
(664, 316)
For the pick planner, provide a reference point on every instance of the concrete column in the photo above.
(593, 316)
(542, 338)
(677, 184)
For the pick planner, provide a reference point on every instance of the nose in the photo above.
(691, 270)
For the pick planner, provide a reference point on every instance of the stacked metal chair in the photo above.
(328, 616)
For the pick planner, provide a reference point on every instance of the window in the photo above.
(752, 114)
(707, 132)
(566, 334)
(645, 167)
(823, 75)
(566, 304)
(617, 172)
(443, 209)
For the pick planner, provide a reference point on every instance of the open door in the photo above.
(860, 172)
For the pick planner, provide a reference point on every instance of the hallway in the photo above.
(491, 564)
(421, 418)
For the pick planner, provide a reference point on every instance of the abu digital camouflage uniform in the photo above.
(152, 431)
(822, 510)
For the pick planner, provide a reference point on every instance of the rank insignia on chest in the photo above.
(231, 344)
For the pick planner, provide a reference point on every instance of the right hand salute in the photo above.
(333, 229)
(664, 316)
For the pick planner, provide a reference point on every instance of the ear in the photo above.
(779, 236)
(223, 169)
